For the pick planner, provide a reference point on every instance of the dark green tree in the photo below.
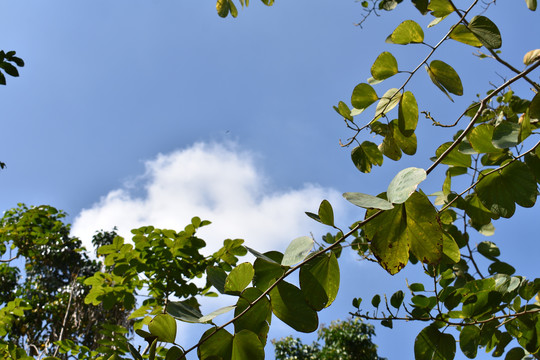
(344, 340)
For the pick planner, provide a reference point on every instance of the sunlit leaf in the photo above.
(407, 32)
(486, 31)
(343, 110)
(404, 184)
(444, 75)
(385, 66)
(367, 201)
(462, 34)
(407, 144)
(480, 139)
(326, 213)
(388, 101)
(440, 8)
(289, 306)
(297, 251)
(451, 248)
(239, 278)
(222, 7)
(455, 157)
(209, 317)
(408, 114)
(531, 56)
(531, 4)
(163, 326)
(363, 95)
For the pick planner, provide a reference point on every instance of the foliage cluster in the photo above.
(495, 147)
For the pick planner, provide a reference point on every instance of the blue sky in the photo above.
(141, 111)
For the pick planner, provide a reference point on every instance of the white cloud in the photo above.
(215, 182)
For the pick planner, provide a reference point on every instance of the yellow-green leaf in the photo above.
(446, 77)
(462, 34)
(408, 114)
(407, 32)
(384, 66)
(363, 95)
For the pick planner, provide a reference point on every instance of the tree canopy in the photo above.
(64, 305)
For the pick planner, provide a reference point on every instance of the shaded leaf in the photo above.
(222, 7)
(366, 155)
(432, 344)
(500, 190)
(255, 318)
(173, 353)
(326, 213)
(218, 346)
(247, 345)
(319, 280)
(266, 272)
(469, 340)
(217, 277)
(183, 311)
(486, 31)
(289, 305)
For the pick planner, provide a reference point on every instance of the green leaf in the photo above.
(232, 9)
(239, 278)
(246, 345)
(516, 353)
(408, 114)
(255, 319)
(533, 162)
(326, 213)
(534, 108)
(506, 135)
(469, 340)
(388, 101)
(218, 346)
(173, 353)
(451, 248)
(500, 267)
(480, 138)
(440, 8)
(343, 110)
(209, 317)
(222, 7)
(455, 157)
(526, 329)
(397, 299)
(409, 227)
(9, 69)
(262, 256)
(385, 66)
(432, 344)
(363, 95)
(500, 190)
(367, 201)
(376, 300)
(407, 144)
(443, 75)
(136, 355)
(389, 147)
(183, 311)
(407, 32)
(404, 184)
(164, 327)
(266, 272)
(366, 155)
(217, 277)
(319, 280)
(531, 4)
(462, 34)
(486, 31)
(421, 5)
(489, 250)
(289, 305)
(297, 251)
